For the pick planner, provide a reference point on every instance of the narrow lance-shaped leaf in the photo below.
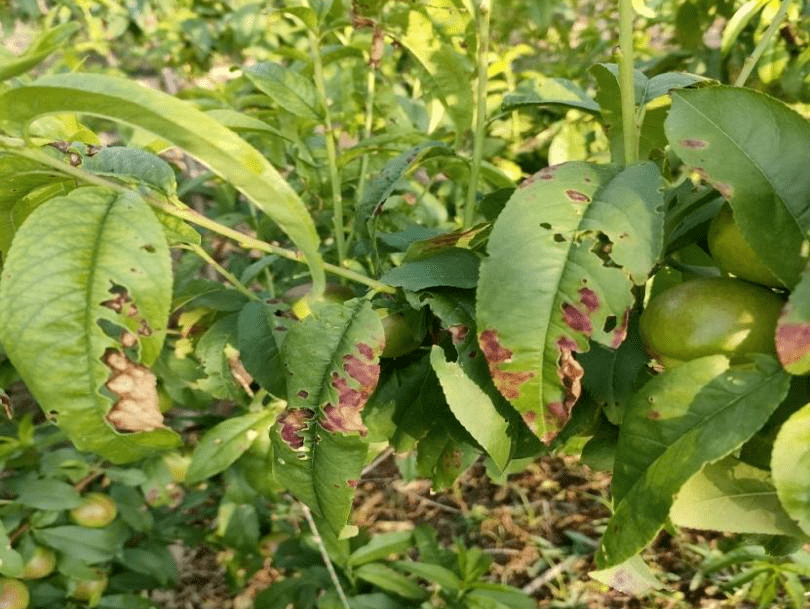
(181, 124)
(84, 305)
(318, 441)
(753, 149)
(689, 416)
(563, 257)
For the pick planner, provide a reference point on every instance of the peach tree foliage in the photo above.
(528, 319)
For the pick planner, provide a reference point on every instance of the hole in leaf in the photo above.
(610, 323)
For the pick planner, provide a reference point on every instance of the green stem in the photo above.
(190, 215)
(626, 84)
(240, 287)
(482, 26)
(767, 37)
(330, 568)
(331, 151)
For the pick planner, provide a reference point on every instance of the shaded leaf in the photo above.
(473, 408)
(790, 464)
(745, 144)
(732, 496)
(85, 299)
(563, 259)
(691, 415)
(454, 267)
(551, 92)
(260, 335)
(48, 494)
(91, 546)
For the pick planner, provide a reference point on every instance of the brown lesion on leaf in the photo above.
(354, 386)
(693, 144)
(570, 373)
(458, 333)
(291, 423)
(577, 196)
(589, 299)
(122, 303)
(238, 370)
(507, 382)
(135, 389)
(620, 332)
(576, 319)
(792, 342)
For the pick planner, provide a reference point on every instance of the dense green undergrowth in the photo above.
(247, 247)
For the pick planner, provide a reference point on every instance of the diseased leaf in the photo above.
(790, 466)
(793, 329)
(181, 124)
(84, 305)
(633, 576)
(732, 496)
(318, 441)
(473, 408)
(745, 144)
(226, 442)
(691, 415)
(260, 335)
(134, 163)
(564, 255)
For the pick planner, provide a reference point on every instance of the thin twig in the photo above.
(325, 555)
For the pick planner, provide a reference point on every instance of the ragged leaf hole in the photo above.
(610, 323)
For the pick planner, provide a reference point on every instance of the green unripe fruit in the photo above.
(399, 340)
(732, 253)
(41, 564)
(89, 590)
(13, 594)
(95, 511)
(298, 297)
(717, 316)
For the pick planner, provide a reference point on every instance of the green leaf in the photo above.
(386, 578)
(473, 408)
(563, 259)
(691, 415)
(551, 92)
(181, 124)
(632, 576)
(332, 360)
(455, 267)
(790, 463)
(84, 305)
(260, 334)
(436, 574)
(732, 496)
(48, 494)
(287, 88)
(224, 443)
(448, 71)
(748, 146)
(11, 561)
(46, 43)
(381, 546)
(736, 24)
(793, 329)
(91, 546)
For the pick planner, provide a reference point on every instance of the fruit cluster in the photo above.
(96, 510)
(731, 316)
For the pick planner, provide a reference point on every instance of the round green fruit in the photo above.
(718, 316)
(95, 511)
(732, 253)
(399, 340)
(41, 564)
(88, 590)
(13, 594)
(298, 297)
